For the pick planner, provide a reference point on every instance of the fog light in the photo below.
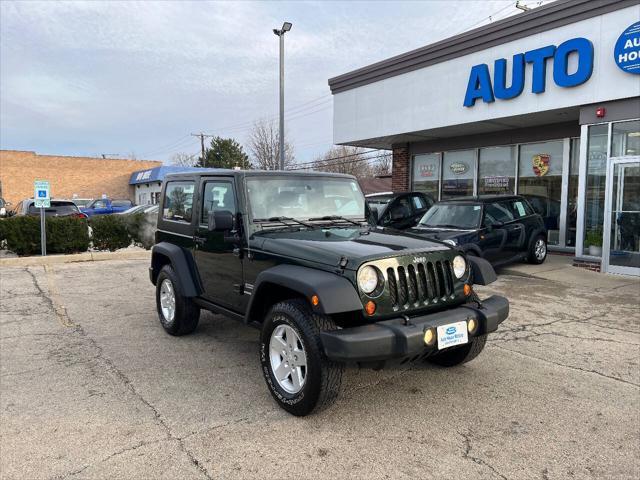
(315, 300)
(467, 290)
(429, 336)
(472, 325)
(370, 307)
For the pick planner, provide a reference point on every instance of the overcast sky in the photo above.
(136, 78)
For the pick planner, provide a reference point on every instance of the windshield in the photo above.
(453, 215)
(57, 208)
(304, 197)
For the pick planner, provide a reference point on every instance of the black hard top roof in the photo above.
(253, 173)
(482, 199)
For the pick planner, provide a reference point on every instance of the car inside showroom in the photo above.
(545, 104)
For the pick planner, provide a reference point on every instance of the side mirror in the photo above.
(220, 221)
(375, 215)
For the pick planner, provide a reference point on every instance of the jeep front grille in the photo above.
(420, 283)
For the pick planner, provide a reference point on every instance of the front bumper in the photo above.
(398, 339)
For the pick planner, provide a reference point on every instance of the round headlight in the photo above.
(367, 279)
(459, 266)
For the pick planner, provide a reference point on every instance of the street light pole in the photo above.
(286, 26)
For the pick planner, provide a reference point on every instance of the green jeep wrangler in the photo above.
(294, 255)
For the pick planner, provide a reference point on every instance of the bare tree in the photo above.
(383, 165)
(184, 160)
(345, 159)
(264, 144)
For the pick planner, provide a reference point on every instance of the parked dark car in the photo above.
(58, 208)
(293, 255)
(500, 229)
(398, 210)
(106, 206)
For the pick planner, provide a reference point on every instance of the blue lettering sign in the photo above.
(480, 85)
(584, 49)
(517, 78)
(627, 49)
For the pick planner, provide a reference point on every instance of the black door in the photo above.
(398, 214)
(494, 234)
(217, 254)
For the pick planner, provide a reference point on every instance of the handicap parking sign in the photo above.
(42, 194)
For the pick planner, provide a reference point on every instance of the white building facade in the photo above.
(544, 104)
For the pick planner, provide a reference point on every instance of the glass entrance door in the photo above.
(622, 218)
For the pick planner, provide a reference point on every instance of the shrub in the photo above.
(21, 235)
(109, 232)
(142, 229)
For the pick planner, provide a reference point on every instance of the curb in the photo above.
(75, 258)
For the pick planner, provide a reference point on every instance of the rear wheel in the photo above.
(299, 375)
(178, 314)
(460, 355)
(538, 250)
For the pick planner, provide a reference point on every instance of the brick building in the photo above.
(85, 177)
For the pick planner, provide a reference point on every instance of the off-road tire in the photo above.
(531, 257)
(323, 376)
(459, 355)
(187, 313)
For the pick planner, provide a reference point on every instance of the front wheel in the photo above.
(299, 375)
(460, 355)
(178, 314)
(538, 250)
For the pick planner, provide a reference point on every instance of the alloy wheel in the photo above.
(167, 300)
(288, 359)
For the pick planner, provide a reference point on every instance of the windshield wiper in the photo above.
(333, 218)
(284, 221)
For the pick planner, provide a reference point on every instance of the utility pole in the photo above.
(201, 135)
(286, 26)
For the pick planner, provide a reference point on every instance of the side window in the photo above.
(99, 204)
(400, 209)
(218, 195)
(497, 213)
(178, 202)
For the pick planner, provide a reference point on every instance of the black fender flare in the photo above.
(472, 248)
(482, 271)
(182, 264)
(336, 293)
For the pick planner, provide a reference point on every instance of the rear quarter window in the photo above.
(177, 204)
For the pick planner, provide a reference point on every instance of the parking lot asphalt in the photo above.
(92, 387)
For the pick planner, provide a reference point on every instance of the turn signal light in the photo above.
(370, 307)
(315, 301)
(467, 289)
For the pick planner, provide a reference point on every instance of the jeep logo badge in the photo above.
(419, 259)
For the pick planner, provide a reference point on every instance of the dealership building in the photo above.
(545, 104)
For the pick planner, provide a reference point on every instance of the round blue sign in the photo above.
(627, 49)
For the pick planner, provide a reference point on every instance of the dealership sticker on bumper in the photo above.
(452, 334)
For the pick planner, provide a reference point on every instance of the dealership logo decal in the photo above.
(481, 86)
(627, 49)
(540, 164)
(427, 170)
(459, 168)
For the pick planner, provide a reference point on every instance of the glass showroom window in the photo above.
(458, 173)
(594, 195)
(497, 170)
(572, 193)
(540, 181)
(625, 139)
(426, 174)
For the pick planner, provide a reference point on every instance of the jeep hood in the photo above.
(329, 245)
(440, 233)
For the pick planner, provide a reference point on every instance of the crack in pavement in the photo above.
(571, 367)
(64, 319)
(477, 460)
(556, 334)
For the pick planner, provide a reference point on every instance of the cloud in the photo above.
(136, 76)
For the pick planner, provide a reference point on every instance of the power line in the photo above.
(201, 135)
(373, 150)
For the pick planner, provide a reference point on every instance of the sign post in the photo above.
(42, 200)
